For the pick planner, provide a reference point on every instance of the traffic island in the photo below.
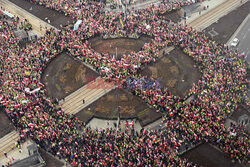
(120, 46)
(131, 107)
(176, 71)
(64, 75)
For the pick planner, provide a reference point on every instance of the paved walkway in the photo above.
(97, 123)
(144, 4)
(73, 103)
(6, 144)
(14, 155)
(214, 14)
(23, 14)
(197, 10)
(8, 141)
(136, 6)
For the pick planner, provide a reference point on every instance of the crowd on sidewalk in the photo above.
(35, 115)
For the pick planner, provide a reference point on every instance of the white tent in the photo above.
(76, 26)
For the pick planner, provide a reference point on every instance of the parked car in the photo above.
(235, 42)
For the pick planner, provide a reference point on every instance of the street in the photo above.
(244, 37)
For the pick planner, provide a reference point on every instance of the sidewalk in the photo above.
(196, 10)
(97, 123)
(14, 155)
(23, 14)
(30, 32)
(140, 5)
(215, 14)
(136, 6)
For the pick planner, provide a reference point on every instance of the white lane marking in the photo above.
(244, 36)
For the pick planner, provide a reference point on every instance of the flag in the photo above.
(121, 23)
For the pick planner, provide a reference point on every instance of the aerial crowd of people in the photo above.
(185, 122)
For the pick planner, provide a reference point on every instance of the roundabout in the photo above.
(64, 75)
(215, 94)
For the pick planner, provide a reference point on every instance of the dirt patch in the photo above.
(176, 71)
(5, 124)
(50, 160)
(64, 75)
(227, 25)
(123, 45)
(56, 18)
(130, 107)
(174, 16)
(209, 156)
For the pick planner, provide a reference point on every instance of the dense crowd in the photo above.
(216, 94)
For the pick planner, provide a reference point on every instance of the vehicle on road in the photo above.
(235, 42)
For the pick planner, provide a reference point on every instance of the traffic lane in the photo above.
(244, 38)
(244, 45)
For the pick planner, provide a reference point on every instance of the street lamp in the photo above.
(116, 52)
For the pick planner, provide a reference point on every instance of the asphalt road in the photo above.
(244, 45)
(244, 37)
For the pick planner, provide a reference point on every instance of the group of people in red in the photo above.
(185, 122)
